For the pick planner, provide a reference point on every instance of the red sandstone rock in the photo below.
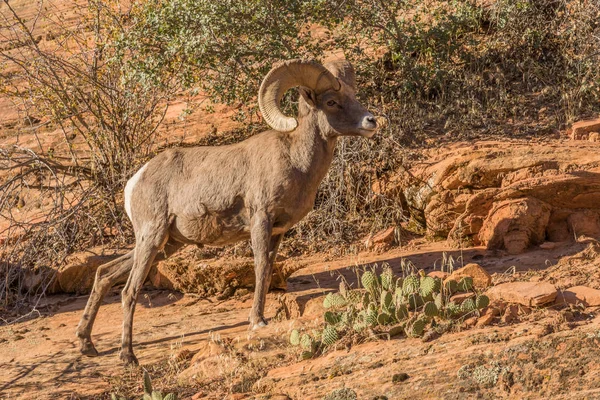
(530, 294)
(481, 279)
(580, 295)
(515, 225)
(582, 129)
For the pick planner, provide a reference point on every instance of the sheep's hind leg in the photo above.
(147, 247)
(107, 276)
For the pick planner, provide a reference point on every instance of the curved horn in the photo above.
(285, 75)
(344, 71)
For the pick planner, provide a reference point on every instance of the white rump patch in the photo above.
(129, 189)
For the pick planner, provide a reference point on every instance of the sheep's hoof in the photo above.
(128, 358)
(261, 323)
(88, 349)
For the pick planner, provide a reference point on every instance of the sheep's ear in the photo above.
(309, 96)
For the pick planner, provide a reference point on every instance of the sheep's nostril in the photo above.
(372, 120)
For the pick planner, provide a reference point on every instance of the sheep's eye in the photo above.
(331, 103)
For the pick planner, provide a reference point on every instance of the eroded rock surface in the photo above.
(505, 195)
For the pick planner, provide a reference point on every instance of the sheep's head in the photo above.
(328, 91)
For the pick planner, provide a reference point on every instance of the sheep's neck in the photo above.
(312, 150)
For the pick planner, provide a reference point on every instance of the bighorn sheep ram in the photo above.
(256, 189)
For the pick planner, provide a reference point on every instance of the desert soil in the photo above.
(549, 353)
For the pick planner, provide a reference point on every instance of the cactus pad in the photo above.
(465, 284)
(482, 301)
(468, 305)
(387, 278)
(401, 312)
(430, 309)
(329, 335)
(386, 300)
(410, 285)
(417, 328)
(451, 286)
(429, 286)
(307, 342)
(295, 337)
(369, 280)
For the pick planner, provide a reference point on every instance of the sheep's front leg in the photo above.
(260, 233)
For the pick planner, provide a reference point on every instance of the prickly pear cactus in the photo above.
(482, 301)
(401, 312)
(295, 338)
(334, 300)
(415, 301)
(331, 317)
(306, 355)
(307, 342)
(387, 279)
(366, 300)
(417, 328)
(468, 305)
(438, 299)
(353, 297)
(386, 300)
(369, 281)
(428, 286)
(329, 335)
(430, 309)
(410, 285)
(384, 318)
(150, 394)
(465, 284)
(452, 309)
(371, 316)
(451, 286)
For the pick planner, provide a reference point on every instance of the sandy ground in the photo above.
(40, 358)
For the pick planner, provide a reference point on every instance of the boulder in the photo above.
(481, 278)
(579, 295)
(79, 271)
(530, 294)
(582, 129)
(515, 225)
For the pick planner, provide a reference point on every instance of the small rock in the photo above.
(531, 294)
(549, 245)
(594, 137)
(511, 314)
(238, 396)
(481, 279)
(401, 377)
(386, 236)
(438, 274)
(579, 295)
(470, 322)
(485, 320)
